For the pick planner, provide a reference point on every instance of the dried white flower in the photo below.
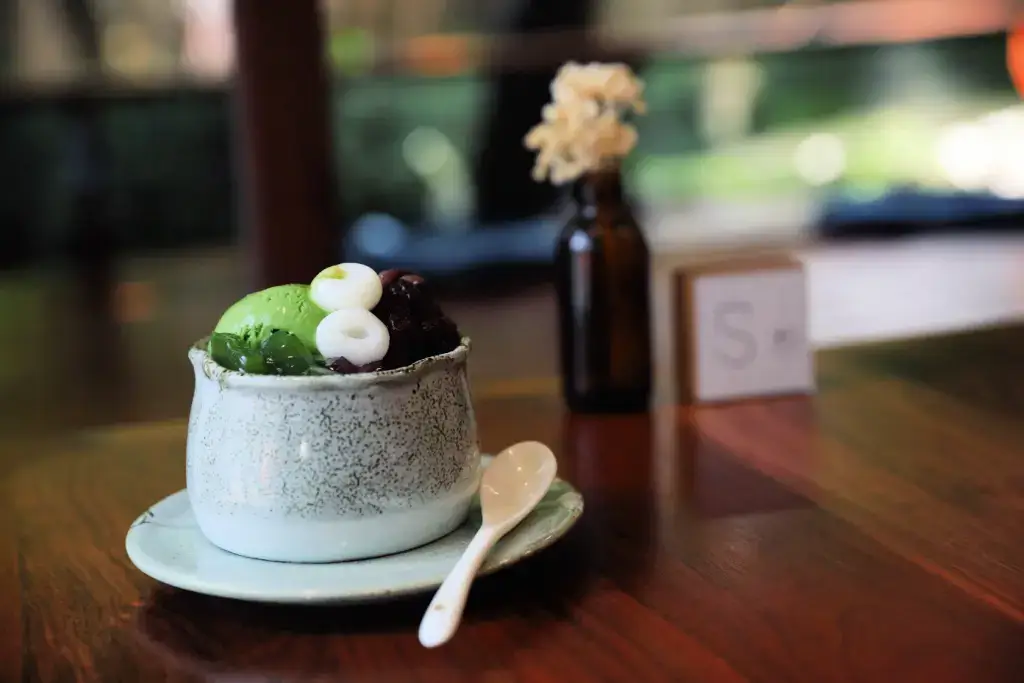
(581, 130)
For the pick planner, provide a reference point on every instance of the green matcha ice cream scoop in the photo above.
(284, 307)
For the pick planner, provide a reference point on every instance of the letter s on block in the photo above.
(729, 317)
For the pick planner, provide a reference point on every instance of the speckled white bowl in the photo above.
(331, 467)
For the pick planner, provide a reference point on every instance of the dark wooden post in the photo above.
(284, 140)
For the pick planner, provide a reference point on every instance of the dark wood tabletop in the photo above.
(874, 532)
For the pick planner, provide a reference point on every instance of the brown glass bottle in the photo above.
(602, 268)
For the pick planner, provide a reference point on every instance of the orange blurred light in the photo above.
(1015, 58)
(439, 55)
(134, 302)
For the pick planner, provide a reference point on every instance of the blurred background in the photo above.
(882, 138)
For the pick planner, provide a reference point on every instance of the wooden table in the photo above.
(873, 533)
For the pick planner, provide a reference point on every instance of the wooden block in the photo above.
(741, 329)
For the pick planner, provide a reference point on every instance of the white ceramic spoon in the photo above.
(511, 487)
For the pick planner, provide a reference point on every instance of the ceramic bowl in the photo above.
(331, 467)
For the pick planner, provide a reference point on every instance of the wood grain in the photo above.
(870, 533)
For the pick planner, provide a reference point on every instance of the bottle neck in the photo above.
(600, 192)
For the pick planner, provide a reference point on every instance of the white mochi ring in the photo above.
(354, 334)
(346, 285)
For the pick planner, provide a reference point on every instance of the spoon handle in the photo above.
(445, 611)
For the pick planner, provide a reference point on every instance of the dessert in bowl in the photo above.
(332, 421)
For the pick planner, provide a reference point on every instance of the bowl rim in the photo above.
(205, 365)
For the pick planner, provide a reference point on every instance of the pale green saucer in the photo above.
(165, 543)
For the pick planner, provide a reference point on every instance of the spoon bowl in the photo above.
(515, 482)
